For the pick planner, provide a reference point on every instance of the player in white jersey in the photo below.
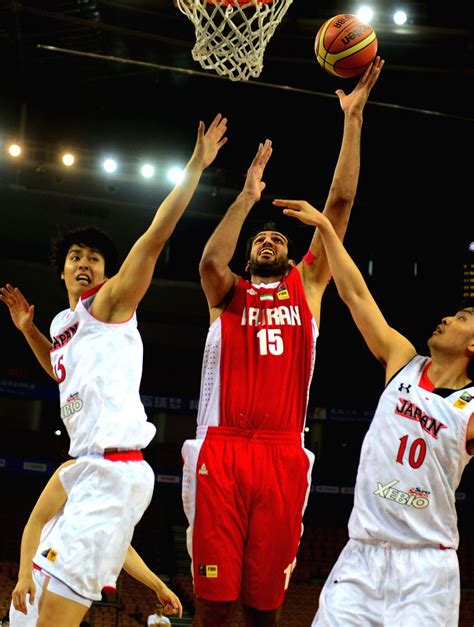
(400, 566)
(247, 471)
(96, 358)
(31, 581)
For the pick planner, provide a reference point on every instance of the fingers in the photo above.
(173, 607)
(171, 603)
(219, 125)
(373, 71)
(293, 204)
(264, 153)
(177, 607)
(8, 295)
(371, 74)
(218, 128)
(364, 76)
(215, 122)
(13, 298)
(19, 601)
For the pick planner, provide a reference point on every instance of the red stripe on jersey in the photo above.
(424, 381)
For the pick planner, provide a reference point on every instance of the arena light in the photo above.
(365, 13)
(68, 159)
(147, 170)
(400, 17)
(109, 165)
(175, 174)
(14, 150)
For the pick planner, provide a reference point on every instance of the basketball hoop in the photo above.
(231, 35)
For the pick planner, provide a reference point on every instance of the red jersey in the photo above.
(259, 358)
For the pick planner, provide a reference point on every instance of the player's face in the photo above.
(269, 254)
(83, 269)
(455, 333)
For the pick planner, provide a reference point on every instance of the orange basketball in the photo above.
(345, 46)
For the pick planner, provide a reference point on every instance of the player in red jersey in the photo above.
(247, 474)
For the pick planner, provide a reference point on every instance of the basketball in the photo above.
(345, 46)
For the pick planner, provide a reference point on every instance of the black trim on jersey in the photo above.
(443, 392)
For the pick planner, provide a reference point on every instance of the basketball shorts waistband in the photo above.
(123, 456)
(260, 435)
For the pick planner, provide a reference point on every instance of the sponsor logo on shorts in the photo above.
(207, 570)
(415, 497)
(73, 405)
(203, 470)
(50, 554)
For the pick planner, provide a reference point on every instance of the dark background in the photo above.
(412, 221)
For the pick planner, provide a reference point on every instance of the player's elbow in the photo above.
(351, 297)
(338, 211)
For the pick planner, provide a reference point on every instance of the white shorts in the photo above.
(86, 548)
(380, 586)
(18, 619)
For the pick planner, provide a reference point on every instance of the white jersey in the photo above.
(411, 463)
(99, 369)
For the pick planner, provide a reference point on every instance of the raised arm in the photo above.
(136, 568)
(49, 503)
(120, 296)
(217, 279)
(343, 188)
(391, 348)
(22, 314)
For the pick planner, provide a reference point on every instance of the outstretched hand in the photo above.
(21, 311)
(355, 101)
(208, 143)
(303, 211)
(171, 603)
(254, 185)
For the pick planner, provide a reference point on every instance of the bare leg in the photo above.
(213, 613)
(59, 611)
(261, 618)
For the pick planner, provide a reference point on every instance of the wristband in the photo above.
(309, 257)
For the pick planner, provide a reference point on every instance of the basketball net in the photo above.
(231, 35)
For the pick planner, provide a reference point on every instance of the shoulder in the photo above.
(59, 320)
(416, 365)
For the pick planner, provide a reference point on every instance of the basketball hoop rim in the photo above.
(234, 3)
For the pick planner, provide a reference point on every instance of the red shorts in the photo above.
(251, 490)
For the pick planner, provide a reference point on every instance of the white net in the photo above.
(231, 35)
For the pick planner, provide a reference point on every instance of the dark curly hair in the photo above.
(90, 236)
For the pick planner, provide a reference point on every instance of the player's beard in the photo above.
(264, 270)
